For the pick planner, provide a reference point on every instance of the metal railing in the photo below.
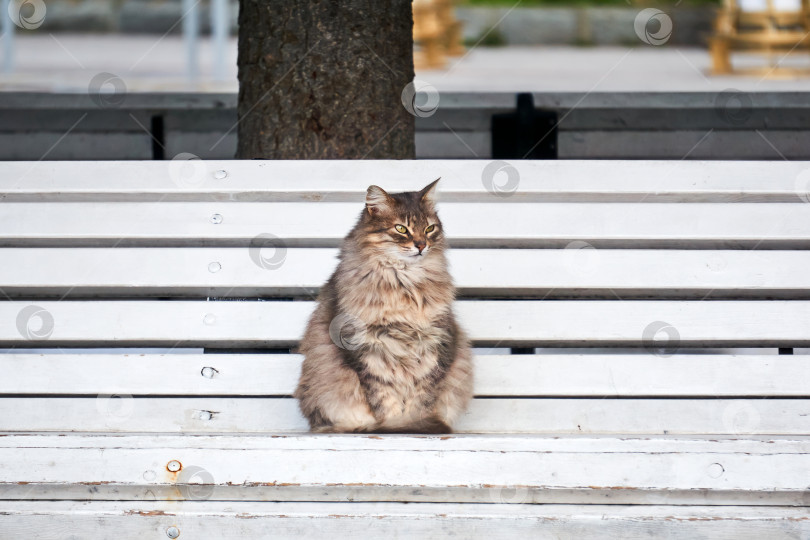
(220, 25)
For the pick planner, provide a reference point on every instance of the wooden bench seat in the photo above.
(627, 318)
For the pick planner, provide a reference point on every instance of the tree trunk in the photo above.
(324, 79)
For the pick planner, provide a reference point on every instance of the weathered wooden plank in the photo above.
(462, 181)
(582, 144)
(179, 102)
(678, 118)
(684, 101)
(75, 145)
(637, 416)
(197, 119)
(136, 374)
(654, 324)
(587, 115)
(453, 145)
(206, 144)
(150, 101)
(618, 470)
(553, 375)
(626, 225)
(182, 101)
(695, 144)
(55, 520)
(55, 122)
(655, 118)
(754, 445)
(124, 413)
(575, 272)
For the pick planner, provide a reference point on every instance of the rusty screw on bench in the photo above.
(174, 466)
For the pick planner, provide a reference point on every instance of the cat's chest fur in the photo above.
(403, 316)
(397, 295)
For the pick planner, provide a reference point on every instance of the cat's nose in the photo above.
(420, 245)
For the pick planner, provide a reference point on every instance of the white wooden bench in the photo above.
(649, 299)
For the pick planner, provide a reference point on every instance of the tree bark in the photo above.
(323, 79)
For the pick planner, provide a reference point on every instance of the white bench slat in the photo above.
(56, 520)
(488, 443)
(60, 272)
(671, 225)
(339, 181)
(464, 468)
(738, 323)
(553, 375)
(485, 415)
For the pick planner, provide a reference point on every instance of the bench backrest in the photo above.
(645, 297)
(727, 125)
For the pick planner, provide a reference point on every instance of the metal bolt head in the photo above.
(172, 532)
(205, 415)
(209, 319)
(214, 267)
(174, 465)
(221, 174)
(208, 372)
(216, 219)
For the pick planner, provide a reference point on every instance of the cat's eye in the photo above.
(401, 229)
(430, 229)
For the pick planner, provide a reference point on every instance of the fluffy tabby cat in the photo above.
(383, 352)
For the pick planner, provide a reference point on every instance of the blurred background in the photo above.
(682, 79)
(496, 45)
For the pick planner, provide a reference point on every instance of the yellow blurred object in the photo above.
(770, 27)
(437, 33)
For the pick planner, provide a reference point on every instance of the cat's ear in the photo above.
(428, 193)
(377, 200)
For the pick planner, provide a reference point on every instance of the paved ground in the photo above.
(64, 62)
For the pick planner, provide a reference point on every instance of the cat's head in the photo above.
(403, 225)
